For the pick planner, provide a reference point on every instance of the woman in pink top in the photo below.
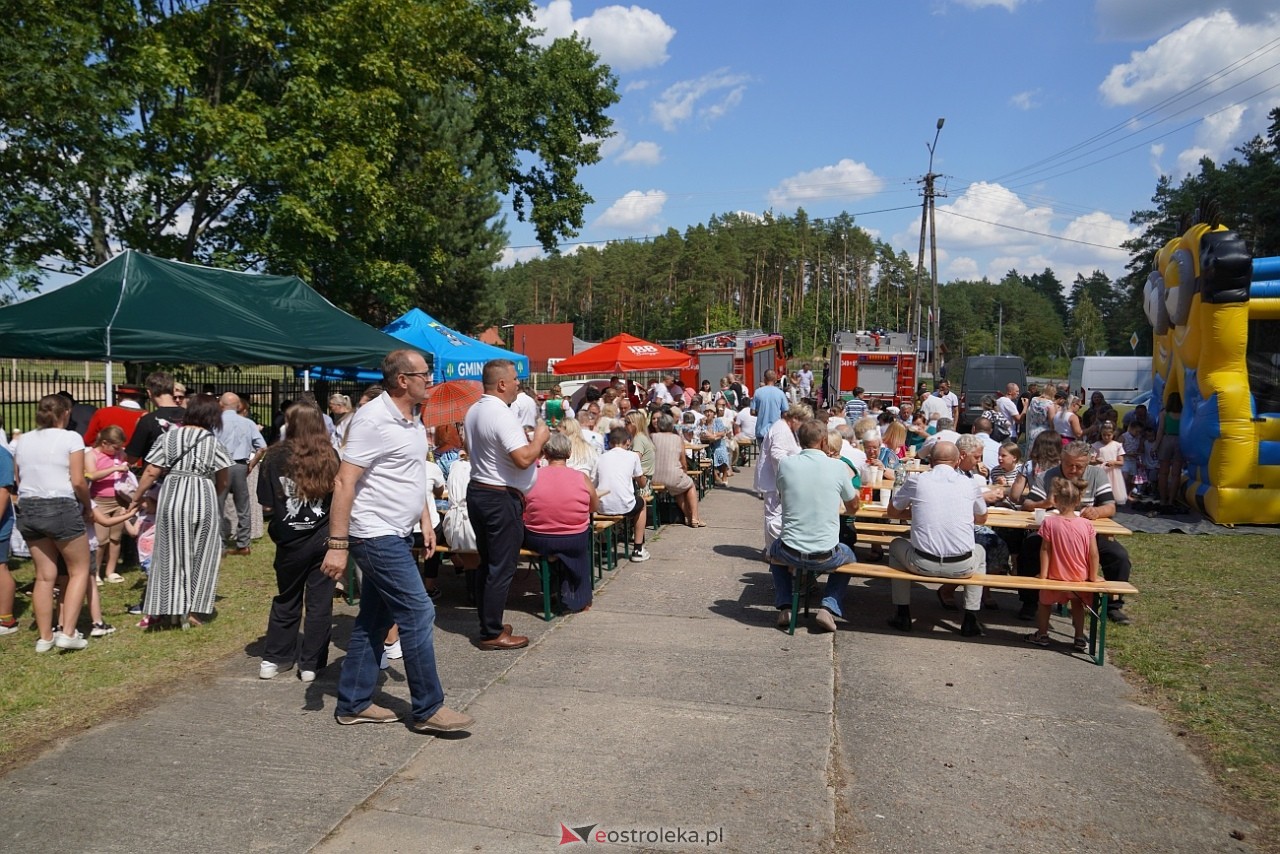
(557, 521)
(1069, 552)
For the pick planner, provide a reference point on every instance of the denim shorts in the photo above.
(4, 549)
(58, 519)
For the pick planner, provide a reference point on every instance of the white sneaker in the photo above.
(115, 578)
(639, 554)
(65, 641)
(268, 670)
(307, 675)
(101, 630)
(394, 652)
(44, 645)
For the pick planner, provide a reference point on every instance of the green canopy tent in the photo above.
(138, 308)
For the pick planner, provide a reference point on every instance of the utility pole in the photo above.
(927, 219)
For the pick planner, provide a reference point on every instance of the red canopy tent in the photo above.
(620, 354)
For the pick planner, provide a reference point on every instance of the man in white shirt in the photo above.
(939, 503)
(244, 444)
(990, 447)
(659, 394)
(588, 416)
(946, 433)
(779, 443)
(525, 407)
(806, 380)
(618, 474)
(935, 407)
(949, 398)
(503, 469)
(379, 495)
(1008, 406)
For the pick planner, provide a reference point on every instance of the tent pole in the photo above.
(111, 401)
(306, 380)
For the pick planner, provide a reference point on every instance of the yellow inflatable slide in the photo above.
(1215, 315)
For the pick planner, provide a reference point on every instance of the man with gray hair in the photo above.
(244, 444)
(941, 544)
(778, 444)
(378, 496)
(946, 433)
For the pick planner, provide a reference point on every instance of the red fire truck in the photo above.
(882, 363)
(747, 353)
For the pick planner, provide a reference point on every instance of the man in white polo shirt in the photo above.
(939, 504)
(618, 475)
(381, 492)
(503, 470)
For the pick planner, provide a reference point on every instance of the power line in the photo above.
(1036, 233)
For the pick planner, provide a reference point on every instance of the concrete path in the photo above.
(672, 707)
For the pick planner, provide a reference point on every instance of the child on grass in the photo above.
(1132, 444)
(106, 468)
(1069, 552)
(1110, 455)
(143, 529)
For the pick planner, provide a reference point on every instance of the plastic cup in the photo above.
(1039, 516)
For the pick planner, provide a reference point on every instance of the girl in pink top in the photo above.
(106, 468)
(1069, 552)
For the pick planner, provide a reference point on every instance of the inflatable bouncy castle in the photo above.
(1215, 313)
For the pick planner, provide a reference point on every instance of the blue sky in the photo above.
(1060, 116)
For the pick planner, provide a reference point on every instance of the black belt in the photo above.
(495, 488)
(243, 462)
(952, 559)
(809, 555)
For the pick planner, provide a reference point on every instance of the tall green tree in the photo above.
(361, 143)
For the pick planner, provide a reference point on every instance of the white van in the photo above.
(1119, 378)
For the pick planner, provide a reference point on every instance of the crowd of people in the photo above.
(371, 484)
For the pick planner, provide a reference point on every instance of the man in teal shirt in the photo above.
(812, 487)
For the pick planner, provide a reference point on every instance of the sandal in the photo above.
(697, 523)
(1081, 644)
(1037, 639)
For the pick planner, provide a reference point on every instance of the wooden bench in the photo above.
(604, 546)
(1097, 618)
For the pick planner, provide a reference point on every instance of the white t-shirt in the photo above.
(594, 439)
(493, 432)
(746, 422)
(526, 410)
(615, 472)
(659, 394)
(935, 407)
(1010, 411)
(43, 458)
(392, 450)
(435, 480)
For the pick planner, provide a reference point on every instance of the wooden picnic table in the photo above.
(1000, 517)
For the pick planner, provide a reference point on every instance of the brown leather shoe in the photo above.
(243, 551)
(444, 720)
(506, 640)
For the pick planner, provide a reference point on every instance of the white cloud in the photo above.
(1139, 20)
(627, 38)
(636, 211)
(679, 102)
(992, 230)
(512, 256)
(636, 86)
(1027, 100)
(642, 154)
(1159, 74)
(847, 179)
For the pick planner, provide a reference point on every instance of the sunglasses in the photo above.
(423, 374)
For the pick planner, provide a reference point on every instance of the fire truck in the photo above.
(747, 353)
(883, 363)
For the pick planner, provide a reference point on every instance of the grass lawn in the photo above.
(1203, 649)
(57, 693)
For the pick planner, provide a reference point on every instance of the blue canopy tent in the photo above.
(454, 356)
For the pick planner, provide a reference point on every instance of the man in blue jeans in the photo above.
(812, 487)
(381, 492)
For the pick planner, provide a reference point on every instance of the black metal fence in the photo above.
(265, 390)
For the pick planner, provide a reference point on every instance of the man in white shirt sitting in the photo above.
(943, 506)
(618, 474)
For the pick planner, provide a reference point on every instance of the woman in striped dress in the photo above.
(184, 566)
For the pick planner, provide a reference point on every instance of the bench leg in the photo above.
(1100, 622)
(544, 570)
